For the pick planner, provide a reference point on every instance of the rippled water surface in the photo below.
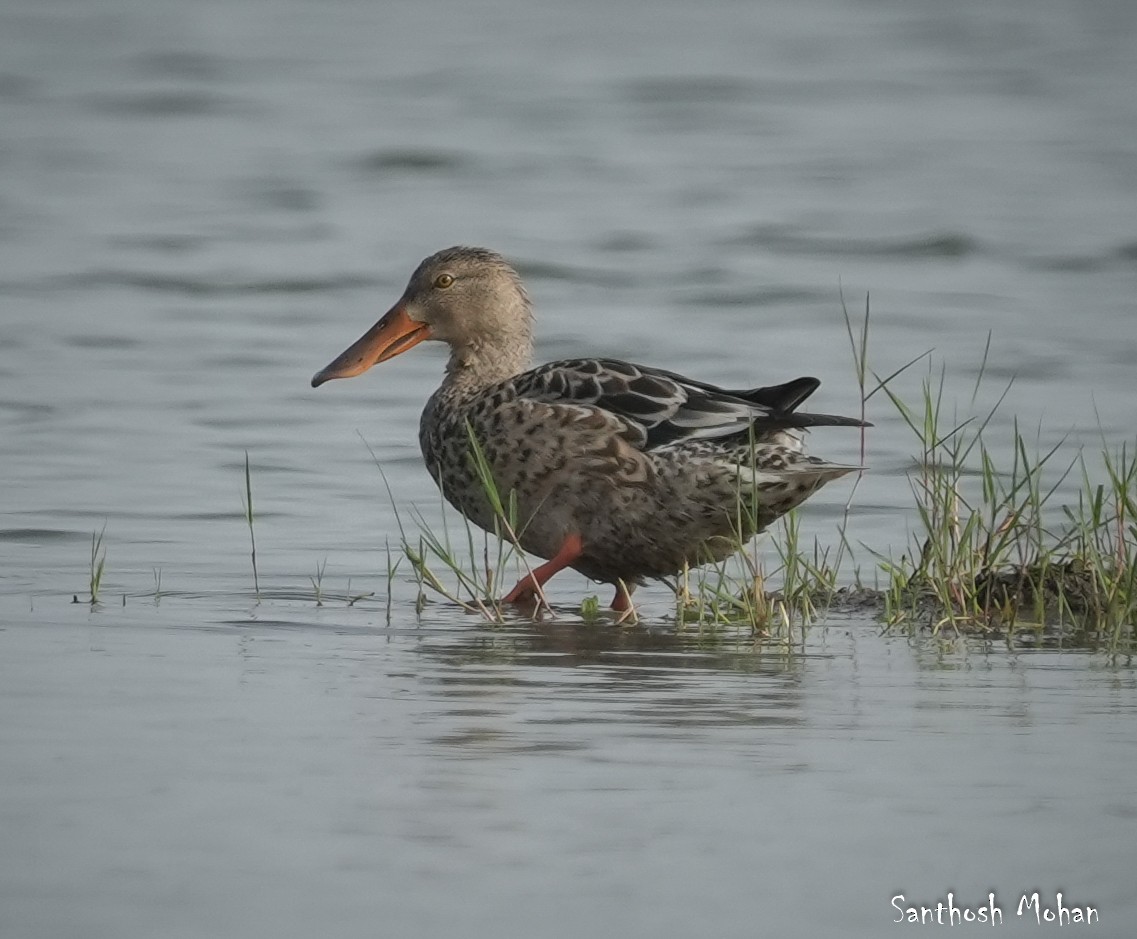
(201, 204)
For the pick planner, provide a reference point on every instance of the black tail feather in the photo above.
(796, 419)
(782, 398)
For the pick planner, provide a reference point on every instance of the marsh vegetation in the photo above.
(997, 545)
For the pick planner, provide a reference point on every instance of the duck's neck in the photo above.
(477, 364)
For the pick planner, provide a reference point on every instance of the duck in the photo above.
(623, 472)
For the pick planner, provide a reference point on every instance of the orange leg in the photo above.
(526, 588)
(622, 602)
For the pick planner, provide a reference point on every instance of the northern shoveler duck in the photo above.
(620, 471)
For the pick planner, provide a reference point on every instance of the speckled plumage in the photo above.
(642, 469)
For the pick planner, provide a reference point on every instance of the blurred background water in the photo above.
(202, 203)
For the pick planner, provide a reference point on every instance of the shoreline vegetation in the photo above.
(991, 551)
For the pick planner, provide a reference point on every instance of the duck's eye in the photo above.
(442, 281)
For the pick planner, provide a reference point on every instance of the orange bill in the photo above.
(394, 334)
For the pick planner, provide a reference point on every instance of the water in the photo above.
(200, 205)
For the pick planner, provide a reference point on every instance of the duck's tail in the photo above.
(783, 401)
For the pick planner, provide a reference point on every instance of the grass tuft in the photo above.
(469, 576)
(993, 551)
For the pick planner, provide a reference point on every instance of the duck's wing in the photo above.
(661, 408)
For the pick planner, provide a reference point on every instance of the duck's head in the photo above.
(469, 298)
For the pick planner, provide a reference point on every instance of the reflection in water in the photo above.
(572, 691)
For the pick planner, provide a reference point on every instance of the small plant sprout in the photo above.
(318, 582)
(98, 563)
(247, 499)
(590, 609)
